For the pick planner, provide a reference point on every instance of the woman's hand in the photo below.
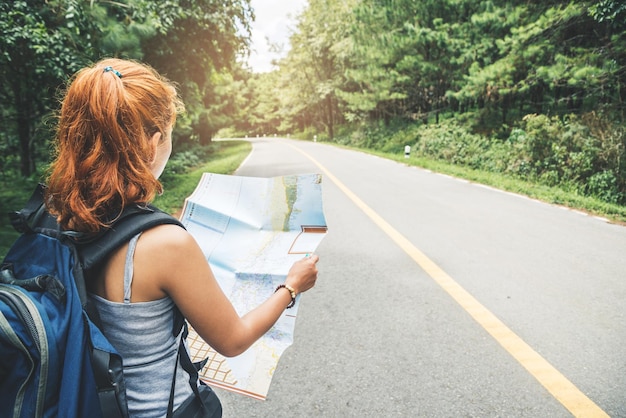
(303, 274)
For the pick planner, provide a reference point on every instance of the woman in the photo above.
(113, 142)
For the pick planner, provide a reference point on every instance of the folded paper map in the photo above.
(252, 230)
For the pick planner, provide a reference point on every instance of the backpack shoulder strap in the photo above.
(95, 248)
(134, 219)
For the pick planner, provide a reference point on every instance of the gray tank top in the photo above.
(142, 334)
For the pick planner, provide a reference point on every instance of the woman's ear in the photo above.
(154, 143)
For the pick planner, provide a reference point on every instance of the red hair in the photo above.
(103, 152)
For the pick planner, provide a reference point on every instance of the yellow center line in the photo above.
(558, 385)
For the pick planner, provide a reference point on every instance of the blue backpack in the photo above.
(54, 360)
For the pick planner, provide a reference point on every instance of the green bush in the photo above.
(455, 144)
(584, 154)
(604, 186)
(571, 150)
(180, 162)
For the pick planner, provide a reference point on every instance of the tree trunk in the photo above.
(27, 164)
(24, 118)
(331, 116)
(506, 104)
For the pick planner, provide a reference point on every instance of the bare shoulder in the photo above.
(167, 256)
(167, 238)
(167, 247)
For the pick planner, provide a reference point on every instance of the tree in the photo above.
(407, 56)
(314, 69)
(196, 41)
(44, 42)
(554, 62)
(41, 43)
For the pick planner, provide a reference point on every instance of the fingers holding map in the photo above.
(252, 230)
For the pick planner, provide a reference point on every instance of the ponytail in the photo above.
(103, 153)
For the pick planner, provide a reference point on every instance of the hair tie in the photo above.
(109, 68)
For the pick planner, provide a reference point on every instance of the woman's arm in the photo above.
(176, 265)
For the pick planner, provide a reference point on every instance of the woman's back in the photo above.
(142, 334)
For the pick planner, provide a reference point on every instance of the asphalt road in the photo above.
(441, 298)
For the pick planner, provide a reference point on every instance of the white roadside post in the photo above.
(407, 151)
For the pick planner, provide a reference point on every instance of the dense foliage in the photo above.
(43, 42)
(531, 89)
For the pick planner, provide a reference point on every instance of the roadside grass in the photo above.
(224, 157)
(554, 195)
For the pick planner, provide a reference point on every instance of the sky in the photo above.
(275, 19)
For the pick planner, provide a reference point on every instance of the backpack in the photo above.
(54, 360)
